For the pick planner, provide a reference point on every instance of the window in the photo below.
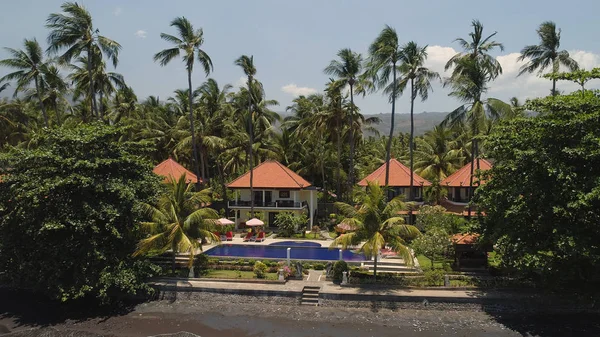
(284, 194)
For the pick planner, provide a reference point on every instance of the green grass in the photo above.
(236, 274)
(425, 263)
(309, 236)
(333, 234)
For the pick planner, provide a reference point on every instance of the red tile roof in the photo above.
(271, 174)
(170, 169)
(399, 176)
(465, 239)
(461, 177)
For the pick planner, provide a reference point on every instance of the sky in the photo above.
(293, 41)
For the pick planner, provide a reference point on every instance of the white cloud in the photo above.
(141, 34)
(295, 90)
(508, 84)
(241, 82)
(118, 11)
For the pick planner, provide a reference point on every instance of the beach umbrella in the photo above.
(254, 222)
(224, 222)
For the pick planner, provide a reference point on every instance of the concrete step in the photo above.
(310, 295)
(310, 303)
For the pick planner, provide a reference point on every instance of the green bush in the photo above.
(201, 263)
(338, 268)
(251, 262)
(241, 262)
(319, 266)
(260, 269)
(434, 277)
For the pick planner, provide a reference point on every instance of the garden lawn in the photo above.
(237, 274)
(425, 263)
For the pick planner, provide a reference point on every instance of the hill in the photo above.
(424, 121)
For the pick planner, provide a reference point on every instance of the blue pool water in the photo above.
(280, 252)
(295, 244)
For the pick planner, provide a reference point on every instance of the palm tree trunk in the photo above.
(553, 87)
(250, 150)
(389, 144)
(101, 105)
(55, 104)
(191, 115)
(39, 95)
(202, 171)
(339, 155)
(93, 109)
(173, 264)
(351, 130)
(375, 266)
(412, 135)
(223, 186)
(470, 194)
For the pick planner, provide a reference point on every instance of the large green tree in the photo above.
(30, 65)
(413, 71)
(188, 44)
(74, 31)
(546, 54)
(377, 223)
(543, 199)
(70, 213)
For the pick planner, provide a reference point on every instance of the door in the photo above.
(272, 219)
(258, 198)
(268, 198)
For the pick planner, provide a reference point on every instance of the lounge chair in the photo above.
(248, 237)
(260, 237)
(229, 236)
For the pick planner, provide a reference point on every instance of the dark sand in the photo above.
(209, 315)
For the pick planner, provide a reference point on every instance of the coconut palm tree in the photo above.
(189, 44)
(377, 223)
(74, 31)
(546, 54)
(247, 64)
(178, 221)
(412, 60)
(29, 64)
(384, 57)
(437, 155)
(476, 49)
(347, 71)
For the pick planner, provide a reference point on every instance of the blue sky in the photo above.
(292, 41)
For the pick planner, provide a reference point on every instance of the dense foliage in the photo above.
(543, 201)
(69, 213)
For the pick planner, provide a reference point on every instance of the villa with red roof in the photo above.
(172, 170)
(399, 180)
(276, 189)
(458, 182)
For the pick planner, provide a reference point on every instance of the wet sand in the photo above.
(208, 315)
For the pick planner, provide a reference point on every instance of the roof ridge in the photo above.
(248, 172)
(285, 169)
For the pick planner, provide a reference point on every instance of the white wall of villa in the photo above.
(273, 201)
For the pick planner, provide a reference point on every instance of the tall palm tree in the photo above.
(384, 56)
(30, 65)
(546, 53)
(55, 89)
(412, 60)
(437, 154)
(189, 44)
(74, 31)
(178, 221)
(347, 70)
(247, 64)
(476, 49)
(377, 223)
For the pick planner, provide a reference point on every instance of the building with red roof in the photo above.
(399, 180)
(458, 182)
(276, 189)
(172, 170)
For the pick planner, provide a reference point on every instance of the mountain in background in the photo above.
(424, 121)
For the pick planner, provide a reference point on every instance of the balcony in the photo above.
(280, 204)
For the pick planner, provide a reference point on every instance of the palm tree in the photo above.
(347, 70)
(247, 64)
(384, 56)
(546, 53)
(412, 59)
(377, 223)
(189, 44)
(73, 30)
(30, 65)
(437, 155)
(55, 89)
(477, 50)
(178, 221)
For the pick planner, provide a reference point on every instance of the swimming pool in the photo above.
(279, 252)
